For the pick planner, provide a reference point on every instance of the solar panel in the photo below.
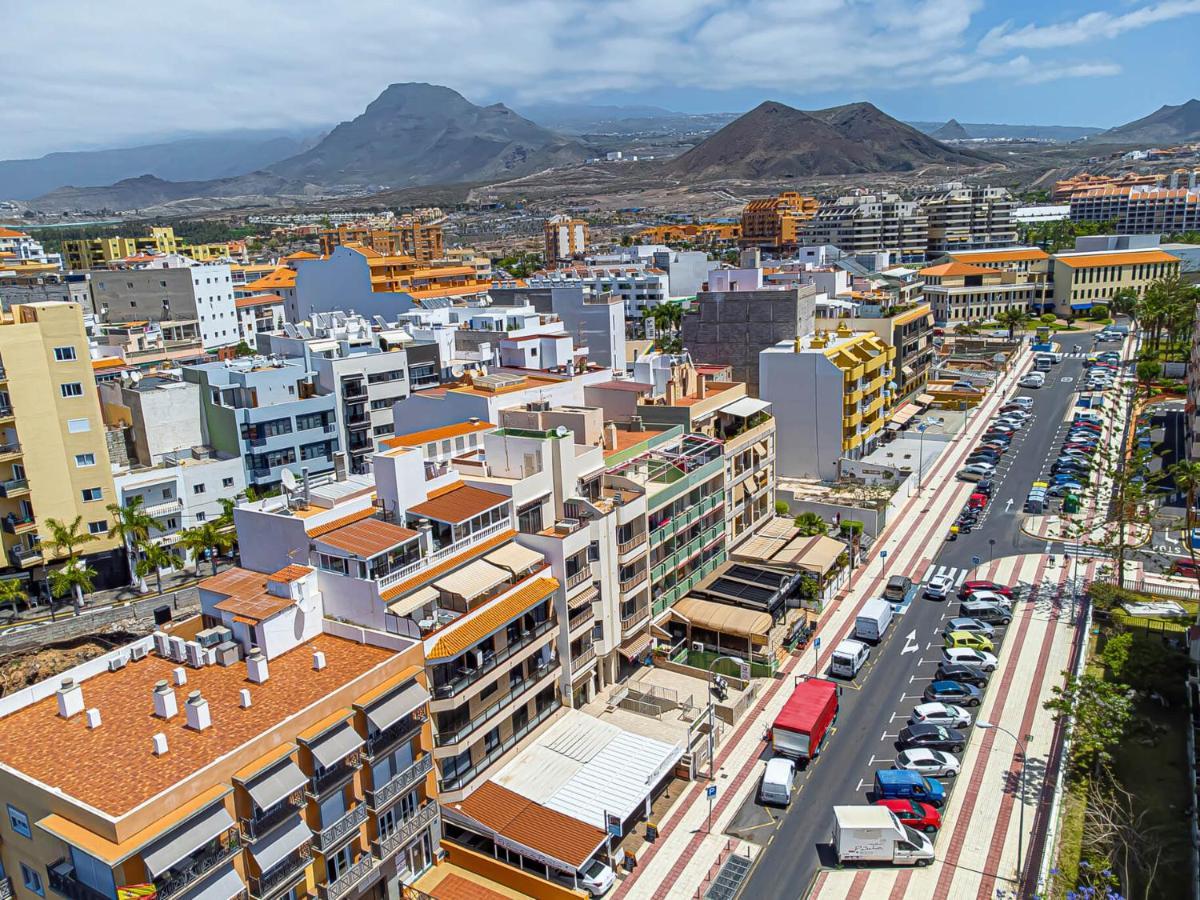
(290, 330)
(755, 575)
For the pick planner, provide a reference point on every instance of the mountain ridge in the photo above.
(1166, 125)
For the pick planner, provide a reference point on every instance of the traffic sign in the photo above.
(817, 642)
(975, 560)
(883, 554)
(711, 791)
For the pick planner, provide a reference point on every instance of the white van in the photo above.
(872, 622)
(848, 657)
(776, 787)
(1042, 362)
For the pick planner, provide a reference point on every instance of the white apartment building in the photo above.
(639, 287)
(23, 249)
(192, 297)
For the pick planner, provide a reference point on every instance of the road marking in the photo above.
(910, 643)
(859, 787)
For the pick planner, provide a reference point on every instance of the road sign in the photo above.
(710, 791)
(817, 642)
(883, 554)
(975, 560)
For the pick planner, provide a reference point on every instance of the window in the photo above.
(197, 489)
(78, 426)
(19, 822)
(91, 495)
(100, 527)
(71, 389)
(226, 482)
(201, 516)
(32, 880)
(83, 460)
(64, 354)
(172, 523)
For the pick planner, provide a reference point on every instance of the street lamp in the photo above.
(991, 549)
(984, 724)
(930, 422)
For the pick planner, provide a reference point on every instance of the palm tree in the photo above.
(73, 578)
(132, 524)
(1124, 302)
(1186, 475)
(205, 537)
(811, 524)
(155, 558)
(66, 539)
(1013, 318)
(12, 592)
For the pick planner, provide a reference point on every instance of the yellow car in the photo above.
(970, 640)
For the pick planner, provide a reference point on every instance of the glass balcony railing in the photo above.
(457, 780)
(517, 691)
(64, 883)
(14, 486)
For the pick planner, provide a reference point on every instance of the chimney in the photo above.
(318, 661)
(701, 388)
(165, 706)
(93, 718)
(610, 436)
(474, 420)
(196, 709)
(160, 744)
(256, 666)
(244, 698)
(70, 698)
(179, 676)
(304, 480)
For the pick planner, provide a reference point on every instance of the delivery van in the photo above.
(873, 834)
(872, 622)
(848, 657)
(776, 785)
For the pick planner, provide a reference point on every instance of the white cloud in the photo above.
(1087, 28)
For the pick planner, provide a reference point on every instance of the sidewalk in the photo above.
(682, 858)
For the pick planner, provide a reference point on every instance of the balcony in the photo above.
(516, 691)
(387, 846)
(10, 451)
(635, 617)
(354, 390)
(25, 556)
(256, 826)
(404, 729)
(451, 688)
(14, 487)
(580, 660)
(282, 875)
(459, 779)
(352, 876)
(6, 411)
(15, 524)
(64, 883)
(579, 617)
(177, 880)
(379, 798)
(628, 584)
(330, 837)
(444, 553)
(6, 888)
(360, 421)
(583, 576)
(321, 784)
(633, 543)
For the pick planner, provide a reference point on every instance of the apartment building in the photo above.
(65, 287)
(961, 292)
(54, 460)
(1083, 279)
(595, 319)
(407, 236)
(269, 413)
(258, 313)
(710, 235)
(467, 256)
(564, 238)
(908, 328)
(273, 760)
(189, 299)
(161, 415)
(869, 223)
(1065, 189)
(1140, 209)
(775, 222)
(21, 254)
(830, 395)
(640, 287)
(968, 218)
(98, 253)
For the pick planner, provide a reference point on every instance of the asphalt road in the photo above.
(875, 706)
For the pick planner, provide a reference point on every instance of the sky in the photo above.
(82, 74)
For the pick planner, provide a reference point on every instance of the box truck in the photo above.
(800, 728)
(873, 620)
(873, 834)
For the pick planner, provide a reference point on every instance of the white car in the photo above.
(979, 468)
(939, 586)
(940, 714)
(992, 597)
(1032, 381)
(927, 762)
(970, 657)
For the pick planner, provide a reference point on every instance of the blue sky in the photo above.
(87, 74)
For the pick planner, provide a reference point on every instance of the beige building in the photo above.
(53, 459)
(1082, 280)
(961, 292)
(565, 238)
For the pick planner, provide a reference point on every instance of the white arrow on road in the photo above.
(1008, 505)
(910, 643)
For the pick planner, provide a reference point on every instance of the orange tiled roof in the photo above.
(108, 362)
(9, 233)
(300, 254)
(535, 826)
(246, 594)
(1119, 258)
(958, 268)
(290, 573)
(991, 256)
(368, 537)
(258, 300)
(417, 438)
(471, 629)
(121, 772)
(283, 277)
(358, 516)
(462, 503)
(446, 566)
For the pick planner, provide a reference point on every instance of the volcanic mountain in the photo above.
(951, 131)
(1165, 126)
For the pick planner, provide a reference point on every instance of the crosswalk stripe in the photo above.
(962, 576)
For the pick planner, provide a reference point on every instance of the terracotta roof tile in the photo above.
(1119, 258)
(445, 566)
(368, 537)
(417, 438)
(258, 300)
(290, 573)
(958, 268)
(462, 503)
(335, 524)
(992, 256)
(472, 628)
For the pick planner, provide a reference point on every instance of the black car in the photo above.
(935, 737)
(985, 487)
(962, 673)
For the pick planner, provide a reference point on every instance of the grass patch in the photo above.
(1070, 839)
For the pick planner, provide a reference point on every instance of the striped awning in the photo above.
(635, 648)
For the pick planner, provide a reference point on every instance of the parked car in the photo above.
(965, 623)
(985, 487)
(977, 501)
(978, 470)
(971, 656)
(960, 673)
(952, 692)
(925, 761)
(776, 784)
(974, 585)
(933, 737)
(940, 714)
(1185, 567)
(1062, 487)
(939, 586)
(986, 611)
(920, 816)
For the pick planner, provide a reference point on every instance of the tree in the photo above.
(132, 524)
(73, 578)
(1124, 302)
(781, 508)
(12, 593)
(243, 349)
(66, 539)
(155, 558)
(1147, 373)
(1099, 710)
(1014, 319)
(205, 537)
(811, 524)
(1186, 476)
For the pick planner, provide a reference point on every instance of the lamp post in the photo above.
(991, 549)
(930, 422)
(984, 724)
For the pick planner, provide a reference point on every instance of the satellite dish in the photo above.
(288, 479)
(561, 431)
(135, 376)
(457, 371)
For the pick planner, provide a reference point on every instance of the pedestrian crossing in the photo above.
(954, 573)
(1082, 354)
(1083, 551)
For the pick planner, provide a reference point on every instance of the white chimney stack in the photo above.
(179, 676)
(93, 718)
(244, 696)
(196, 709)
(160, 744)
(165, 705)
(70, 698)
(318, 660)
(256, 667)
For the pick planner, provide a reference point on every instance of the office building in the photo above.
(565, 238)
(774, 222)
(1084, 278)
(960, 292)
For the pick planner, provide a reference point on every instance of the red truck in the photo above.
(801, 726)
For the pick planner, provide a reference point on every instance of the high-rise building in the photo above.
(565, 238)
(871, 222)
(968, 218)
(774, 222)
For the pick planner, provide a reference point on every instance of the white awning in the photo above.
(267, 790)
(414, 601)
(279, 843)
(515, 558)
(472, 580)
(397, 705)
(225, 887)
(335, 746)
(193, 834)
(745, 407)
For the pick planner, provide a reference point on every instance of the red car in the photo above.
(977, 501)
(920, 816)
(1185, 567)
(970, 587)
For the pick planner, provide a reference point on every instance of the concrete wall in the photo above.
(201, 293)
(806, 392)
(165, 419)
(341, 283)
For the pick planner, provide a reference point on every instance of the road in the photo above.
(875, 706)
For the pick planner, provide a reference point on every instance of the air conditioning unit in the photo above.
(195, 655)
(162, 644)
(178, 653)
(477, 657)
(698, 646)
(138, 651)
(227, 653)
(117, 663)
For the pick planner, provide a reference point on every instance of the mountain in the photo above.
(1165, 126)
(149, 192)
(986, 130)
(777, 141)
(191, 159)
(414, 134)
(951, 131)
(561, 115)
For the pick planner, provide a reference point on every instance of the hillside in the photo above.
(951, 131)
(776, 141)
(1165, 126)
(992, 130)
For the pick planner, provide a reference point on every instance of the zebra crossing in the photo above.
(957, 575)
(1083, 551)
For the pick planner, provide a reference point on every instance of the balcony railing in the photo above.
(328, 838)
(354, 391)
(352, 876)
(23, 555)
(6, 888)
(280, 875)
(404, 832)
(450, 688)
(403, 729)
(446, 552)
(6, 411)
(517, 689)
(638, 613)
(197, 867)
(454, 782)
(14, 486)
(578, 617)
(628, 584)
(582, 576)
(635, 541)
(319, 784)
(7, 449)
(255, 827)
(14, 524)
(64, 883)
(380, 797)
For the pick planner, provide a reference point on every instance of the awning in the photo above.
(227, 886)
(335, 746)
(397, 705)
(279, 782)
(1086, 305)
(185, 840)
(635, 648)
(817, 554)
(926, 400)
(903, 415)
(906, 371)
(472, 580)
(414, 601)
(279, 843)
(515, 558)
(723, 618)
(745, 407)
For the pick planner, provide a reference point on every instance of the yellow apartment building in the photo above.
(54, 462)
(98, 253)
(1082, 280)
